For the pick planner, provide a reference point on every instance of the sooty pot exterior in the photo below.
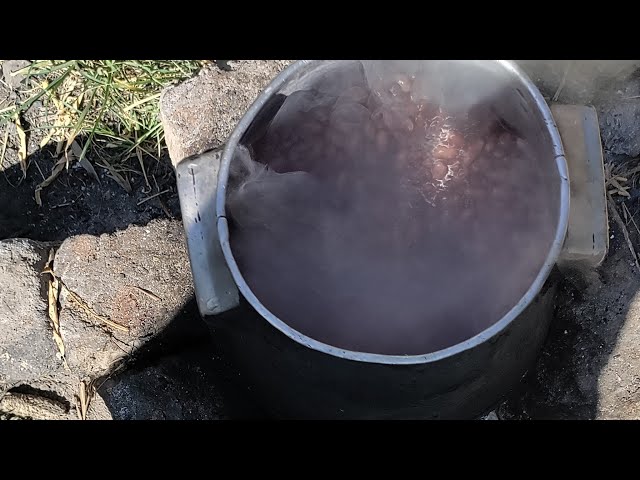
(294, 381)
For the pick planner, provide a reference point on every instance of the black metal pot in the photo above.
(297, 376)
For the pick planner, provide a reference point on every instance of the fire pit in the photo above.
(381, 238)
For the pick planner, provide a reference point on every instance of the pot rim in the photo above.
(483, 336)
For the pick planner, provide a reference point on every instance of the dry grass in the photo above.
(619, 180)
(108, 107)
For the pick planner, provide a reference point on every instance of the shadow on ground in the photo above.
(76, 203)
(179, 375)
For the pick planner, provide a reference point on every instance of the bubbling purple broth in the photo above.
(375, 221)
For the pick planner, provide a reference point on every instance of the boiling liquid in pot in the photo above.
(372, 219)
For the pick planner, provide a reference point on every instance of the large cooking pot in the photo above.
(294, 375)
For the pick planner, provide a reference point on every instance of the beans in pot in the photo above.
(404, 216)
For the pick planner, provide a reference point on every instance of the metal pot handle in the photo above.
(197, 181)
(587, 240)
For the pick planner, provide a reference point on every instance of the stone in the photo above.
(33, 381)
(30, 406)
(11, 66)
(125, 288)
(200, 113)
(27, 349)
(139, 278)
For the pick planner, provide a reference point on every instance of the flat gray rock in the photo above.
(27, 350)
(126, 287)
(33, 382)
(138, 279)
(200, 113)
(57, 402)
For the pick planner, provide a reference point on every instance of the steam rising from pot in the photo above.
(393, 206)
